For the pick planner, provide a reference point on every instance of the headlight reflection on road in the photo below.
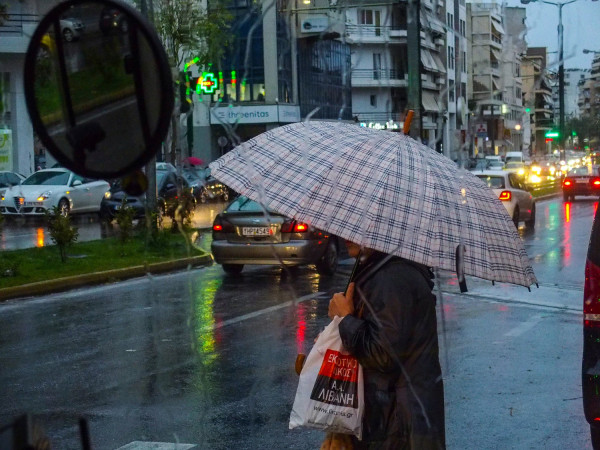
(205, 322)
(40, 237)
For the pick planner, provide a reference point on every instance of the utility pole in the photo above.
(413, 39)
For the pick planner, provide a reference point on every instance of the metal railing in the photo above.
(14, 23)
(378, 74)
(371, 31)
(378, 116)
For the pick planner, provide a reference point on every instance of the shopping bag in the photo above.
(330, 394)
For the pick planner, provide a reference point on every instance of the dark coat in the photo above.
(396, 342)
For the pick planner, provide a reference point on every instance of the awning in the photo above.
(427, 60)
(438, 62)
(429, 102)
(497, 27)
(496, 54)
(495, 85)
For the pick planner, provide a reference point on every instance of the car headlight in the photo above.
(45, 196)
(107, 195)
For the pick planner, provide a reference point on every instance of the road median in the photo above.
(66, 283)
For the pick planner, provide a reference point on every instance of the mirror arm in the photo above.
(63, 76)
(139, 83)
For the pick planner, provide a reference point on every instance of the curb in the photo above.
(66, 283)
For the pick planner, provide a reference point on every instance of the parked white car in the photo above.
(44, 189)
(71, 28)
(509, 188)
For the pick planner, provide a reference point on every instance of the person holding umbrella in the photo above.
(389, 324)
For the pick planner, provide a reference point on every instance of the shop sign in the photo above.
(6, 150)
(389, 125)
(255, 114)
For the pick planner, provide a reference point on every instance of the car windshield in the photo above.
(244, 204)
(49, 178)
(493, 181)
(580, 171)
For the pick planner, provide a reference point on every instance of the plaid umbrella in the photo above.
(382, 190)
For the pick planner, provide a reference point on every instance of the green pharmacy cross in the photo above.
(207, 84)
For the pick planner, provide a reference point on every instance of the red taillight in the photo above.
(591, 296)
(290, 226)
(300, 227)
(567, 182)
(596, 182)
(505, 196)
(221, 225)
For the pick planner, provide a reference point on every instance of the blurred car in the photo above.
(509, 188)
(48, 188)
(9, 179)
(245, 234)
(71, 28)
(518, 167)
(112, 19)
(583, 180)
(167, 194)
(590, 367)
(495, 164)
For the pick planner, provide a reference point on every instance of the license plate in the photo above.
(581, 181)
(34, 203)
(256, 231)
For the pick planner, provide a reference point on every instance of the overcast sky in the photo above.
(581, 22)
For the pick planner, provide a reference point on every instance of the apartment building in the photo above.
(19, 151)
(487, 83)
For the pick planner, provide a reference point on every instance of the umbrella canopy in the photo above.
(194, 161)
(382, 190)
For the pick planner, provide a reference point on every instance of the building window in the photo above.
(374, 100)
(464, 62)
(450, 57)
(451, 90)
(463, 27)
(450, 20)
(376, 66)
(518, 70)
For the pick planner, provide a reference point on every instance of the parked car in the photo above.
(245, 234)
(47, 188)
(582, 180)
(71, 28)
(168, 189)
(510, 189)
(9, 179)
(590, 381)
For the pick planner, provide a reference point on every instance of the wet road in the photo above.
(207, 360)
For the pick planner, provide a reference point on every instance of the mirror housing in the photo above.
(101, 103)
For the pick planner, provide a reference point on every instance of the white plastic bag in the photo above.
(330, 393)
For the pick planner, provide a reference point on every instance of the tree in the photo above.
(188, 31)
(586, 127)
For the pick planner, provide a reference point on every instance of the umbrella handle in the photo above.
(353, 273)
(407, 121)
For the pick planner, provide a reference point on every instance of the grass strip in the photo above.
(31, 265)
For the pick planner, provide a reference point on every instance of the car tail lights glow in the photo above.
(292, 226)
(596, 182)
(505, 196)
(221, 225)
(591, 296)
(567, 182)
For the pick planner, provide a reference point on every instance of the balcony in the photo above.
(380, 117)
(16, 32)
(378, 78)
(374, 34)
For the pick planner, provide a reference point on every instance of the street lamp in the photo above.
(561, 67)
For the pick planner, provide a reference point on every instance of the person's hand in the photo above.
(337, 441)
(341, 305)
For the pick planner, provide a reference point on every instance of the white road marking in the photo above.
(525, 326)
(140, 445)
(262, 311)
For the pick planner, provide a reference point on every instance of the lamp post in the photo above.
(561, 67)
